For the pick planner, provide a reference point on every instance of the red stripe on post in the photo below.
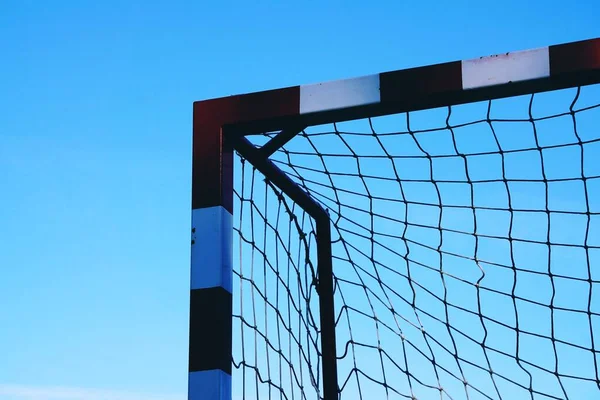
(212, 164)
(415, 84)
(575, 57)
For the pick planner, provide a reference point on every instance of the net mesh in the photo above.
(276, 352)
(466, 246)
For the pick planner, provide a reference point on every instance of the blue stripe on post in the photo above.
(209, 385)
(212, 248)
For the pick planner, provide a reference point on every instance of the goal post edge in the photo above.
(501, 75)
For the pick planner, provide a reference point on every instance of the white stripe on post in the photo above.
(212, 251)
(339, 94)
(209, 385)
(506, 68)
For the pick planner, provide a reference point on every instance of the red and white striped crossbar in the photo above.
(510, 74)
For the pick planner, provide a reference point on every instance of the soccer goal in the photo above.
(429, 233)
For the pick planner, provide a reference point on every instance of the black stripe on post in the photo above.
(210, 330)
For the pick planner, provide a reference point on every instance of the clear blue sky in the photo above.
(95, 135)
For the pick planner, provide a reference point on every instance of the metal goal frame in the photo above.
(220, 126)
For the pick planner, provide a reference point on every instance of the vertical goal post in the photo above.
(220, 127)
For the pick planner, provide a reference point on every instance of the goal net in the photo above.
(276, 352)
(466, 255)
